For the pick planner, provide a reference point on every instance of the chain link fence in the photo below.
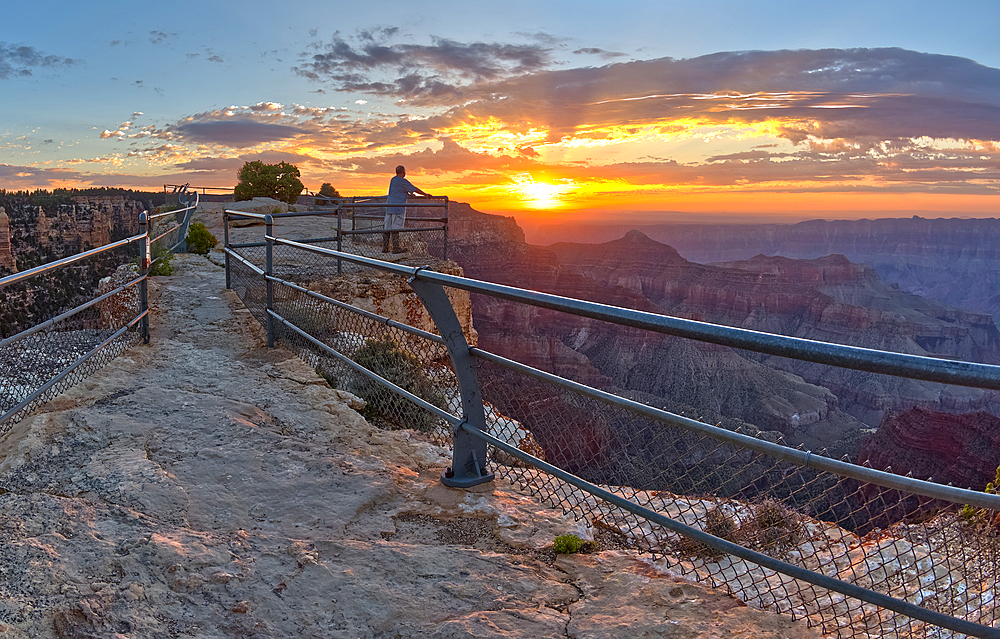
(798, 520)
(92, 327)
(344, 337)
(913, 548)
(425, 229)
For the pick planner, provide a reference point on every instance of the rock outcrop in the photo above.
(951, 261)
(86, 223)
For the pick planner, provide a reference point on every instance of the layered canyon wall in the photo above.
(6, 256)
(949, 260)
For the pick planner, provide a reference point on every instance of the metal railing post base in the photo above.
(472, 474)
(449, 479)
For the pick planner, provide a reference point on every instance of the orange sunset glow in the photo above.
(782, 134)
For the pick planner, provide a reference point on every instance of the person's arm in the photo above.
(416, 190)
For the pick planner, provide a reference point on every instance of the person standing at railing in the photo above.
(395, 216)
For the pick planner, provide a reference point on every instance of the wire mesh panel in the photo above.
(423, 232)
(28, 364)
(249, 285)
(925, 552)
(411, 362)
(65, 345)
(910, 548)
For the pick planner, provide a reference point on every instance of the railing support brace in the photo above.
(340, 236)
(468, 464)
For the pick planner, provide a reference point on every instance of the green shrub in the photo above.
(567, 544)
(979, 517)
(199, 239)
(161, 260)
(387, 360)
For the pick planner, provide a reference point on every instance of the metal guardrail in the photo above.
(492, 431)
(360, 234)
(43, 360)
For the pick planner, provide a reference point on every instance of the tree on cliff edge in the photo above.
(279, 181)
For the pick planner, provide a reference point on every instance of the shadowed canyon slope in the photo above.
(826, 298)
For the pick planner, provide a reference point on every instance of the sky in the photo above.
(624, 111)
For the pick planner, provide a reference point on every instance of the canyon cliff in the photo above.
(61, 226)
(6, 256)
(42, 228)
(948, 260)
(827, 298)
(952, 449)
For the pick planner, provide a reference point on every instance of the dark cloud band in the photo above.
(237, 133)
(19, 60)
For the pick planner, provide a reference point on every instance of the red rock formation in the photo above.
(963, 450)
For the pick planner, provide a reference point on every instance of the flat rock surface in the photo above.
(206, 486)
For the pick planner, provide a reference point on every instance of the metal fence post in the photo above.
(145, 258)
(269, 233)
(468, 465)
(225, 244)
(446, 203)
(340, 236)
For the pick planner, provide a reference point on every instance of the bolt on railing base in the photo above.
(448, 478)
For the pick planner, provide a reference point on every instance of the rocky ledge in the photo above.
(206, 486)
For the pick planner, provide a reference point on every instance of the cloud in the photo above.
(852, 94)
(159, 37)
(236, 132)
(852, 120)
(607, 55)
(371, 63)
(30, 177)
(20, 60)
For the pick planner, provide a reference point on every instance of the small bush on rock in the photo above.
(718, 523)
(387, 360)
(569, 544)
(199, 239)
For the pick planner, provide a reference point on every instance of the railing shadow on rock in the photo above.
(856, 551)
(39, 362)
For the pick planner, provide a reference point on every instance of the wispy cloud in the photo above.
(159, 37)
(607, 55)
(21, 60)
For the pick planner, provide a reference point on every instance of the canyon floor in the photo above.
(207, 486)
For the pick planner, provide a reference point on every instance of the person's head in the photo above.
(401, 171)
